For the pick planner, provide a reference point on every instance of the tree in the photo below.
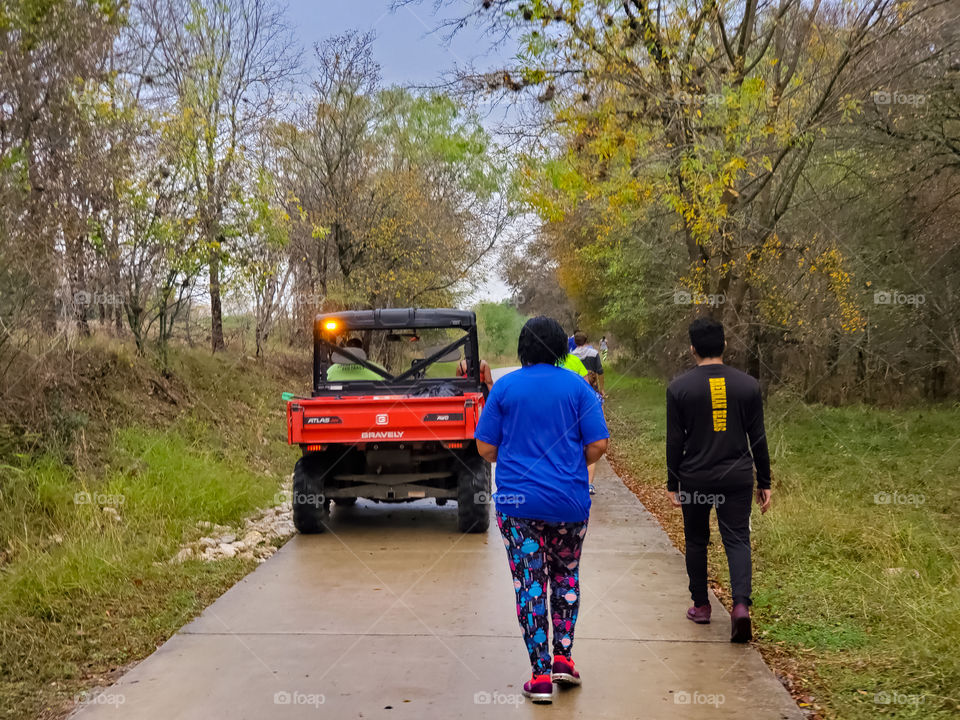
(394, 197)
(263, 252)
(221, 65)
(532, 273)
(681, 138)
(330, 160)
(54, 62)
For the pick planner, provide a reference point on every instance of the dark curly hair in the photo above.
(706, 336)
(542, 340)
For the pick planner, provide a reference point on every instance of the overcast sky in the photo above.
(408, 50)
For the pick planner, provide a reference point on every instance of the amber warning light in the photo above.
(331, 325)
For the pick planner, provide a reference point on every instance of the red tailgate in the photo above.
(393, 418)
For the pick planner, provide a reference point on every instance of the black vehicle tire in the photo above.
(473, 496)
(311, 510)
(345, 501)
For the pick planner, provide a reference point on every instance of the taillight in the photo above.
(454, 445)
(315, 448)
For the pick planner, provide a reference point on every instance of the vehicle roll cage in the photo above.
(394, 319)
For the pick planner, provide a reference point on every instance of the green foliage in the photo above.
(499, 327)
(407, 187)
(82, 593)
(433, 132)
(858, 582)
(688, 160)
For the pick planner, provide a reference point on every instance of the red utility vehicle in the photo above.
(399, 436)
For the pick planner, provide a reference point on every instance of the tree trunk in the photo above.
(186, 322)
(113, 267)
(260, 339)
(81, 296)
(216, 310)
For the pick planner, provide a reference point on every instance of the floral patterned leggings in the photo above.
(542, 555)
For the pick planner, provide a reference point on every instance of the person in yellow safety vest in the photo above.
(575, 365)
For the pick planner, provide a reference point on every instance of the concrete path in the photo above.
(396, 615)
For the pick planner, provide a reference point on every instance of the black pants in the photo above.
(733, 517)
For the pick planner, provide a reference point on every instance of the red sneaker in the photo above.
(563, 671)
(539, 689)
(700, 614)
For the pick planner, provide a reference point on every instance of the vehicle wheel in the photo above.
(473, 497)
(311, 510)
(346, 501)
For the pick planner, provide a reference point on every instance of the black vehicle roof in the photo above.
(402, 318)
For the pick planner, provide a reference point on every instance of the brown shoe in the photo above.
(700, 614)
(740, 631)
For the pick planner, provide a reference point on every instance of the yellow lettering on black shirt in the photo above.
(718, 400)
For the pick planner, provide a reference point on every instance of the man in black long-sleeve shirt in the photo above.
(715, 438)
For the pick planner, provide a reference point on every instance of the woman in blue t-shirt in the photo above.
(543, 425)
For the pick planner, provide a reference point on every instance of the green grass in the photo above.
(81, 593)
(861, 585)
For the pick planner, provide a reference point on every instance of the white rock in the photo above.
(253, 538)
(207, 542)
(184, 554)
(227, 538)
(226, 550)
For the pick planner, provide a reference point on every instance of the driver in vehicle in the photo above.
(345, 369)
